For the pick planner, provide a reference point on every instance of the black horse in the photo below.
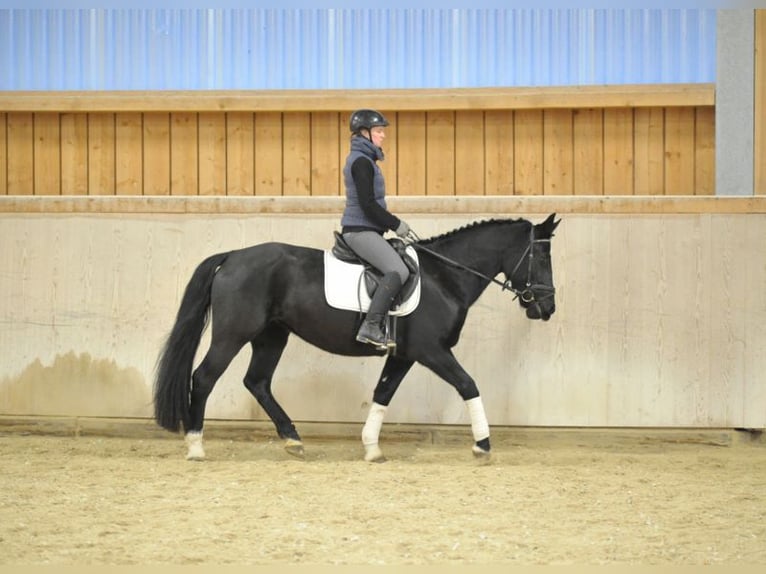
(262, 294)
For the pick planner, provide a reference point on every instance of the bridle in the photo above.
(527, 294)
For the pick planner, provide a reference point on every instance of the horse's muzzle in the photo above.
(536, 311)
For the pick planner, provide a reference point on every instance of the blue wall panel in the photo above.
(113, 49)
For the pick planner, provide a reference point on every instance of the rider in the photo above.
(366, 218)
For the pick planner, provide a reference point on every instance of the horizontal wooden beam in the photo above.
(484, 205)
(613, 96)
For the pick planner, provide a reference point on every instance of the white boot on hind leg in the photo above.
(194, 450)
(371, 433)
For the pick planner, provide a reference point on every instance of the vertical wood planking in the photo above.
(184, 154)
(558, 152)
(47, 153)
(389, 166)
(411, 159)
(649, 150)
(728, 337)
(498, 148)
(618, 151)
(211, 153)
(469, 155)
(101, 154)
(3, 155)
(679, 151)
(240, 153)
(74, 154)
(325, 153)
(296, 174)
(759, 112)
(588, 152)
(156, 153)
(440, 153)
(268, 153)
(704, 151)
(755, 330)
(129, 162)
(643, 151)
(528, 152)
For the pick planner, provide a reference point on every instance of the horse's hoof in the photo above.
(480, 454)
(295, 448)
(372, 453)
(194, 450)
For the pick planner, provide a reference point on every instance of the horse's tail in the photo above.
(174, 365)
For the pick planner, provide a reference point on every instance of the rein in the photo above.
(527, 294)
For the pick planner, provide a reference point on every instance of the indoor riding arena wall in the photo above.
(660, 311)
(109, 201)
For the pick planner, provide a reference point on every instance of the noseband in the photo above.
(527, 294)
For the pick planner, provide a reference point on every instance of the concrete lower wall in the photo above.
(661, 321)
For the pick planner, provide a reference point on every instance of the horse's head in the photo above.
(531, 276)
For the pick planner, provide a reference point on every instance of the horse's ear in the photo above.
(548, 226)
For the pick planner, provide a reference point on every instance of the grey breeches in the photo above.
(374, 249)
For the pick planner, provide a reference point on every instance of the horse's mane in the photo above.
(470, 226)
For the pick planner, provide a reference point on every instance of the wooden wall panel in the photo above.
(649, 151)
(212, 153)
(129, 154)
(411, 154)
(469, 153)
(390, 164)
(679, 151)
(296, 141)
(184, 154)
(618, 151)
(74, 154)
(3, 154)
(440, 153)
(588, 141)
(528, 152)
(268, 154)
(47, 153)
(156, 140)
(21, 166)
(325, 154)
(704, 151)
(558, 152)
(498, 145)
(101, 154)
(240, 158)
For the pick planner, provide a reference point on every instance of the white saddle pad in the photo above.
(344, 286)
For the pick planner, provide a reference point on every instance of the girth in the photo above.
(372, 276)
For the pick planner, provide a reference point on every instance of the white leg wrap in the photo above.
(479, 424)
(371, 429)
(194, 446)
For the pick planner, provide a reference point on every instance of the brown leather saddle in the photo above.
(372, 276)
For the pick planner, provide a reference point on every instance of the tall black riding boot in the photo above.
(373, 330)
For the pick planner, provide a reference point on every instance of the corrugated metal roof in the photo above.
(114, 49)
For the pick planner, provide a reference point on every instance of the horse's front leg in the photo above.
(446, 366)
(393, 372)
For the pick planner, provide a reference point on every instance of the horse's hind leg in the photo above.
(217, 359)
(267, 350)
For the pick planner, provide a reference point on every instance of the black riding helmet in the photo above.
(366, 120)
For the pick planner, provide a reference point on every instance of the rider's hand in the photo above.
(403, 230)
